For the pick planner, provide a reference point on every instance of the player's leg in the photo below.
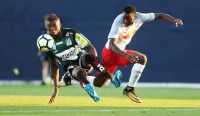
(116, 74)
(100, 80)
(102, 76)
(110, 60)
(79, 74)
(66, 80)
(136, 72)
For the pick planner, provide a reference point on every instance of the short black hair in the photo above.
(130, 9)
(51, 17)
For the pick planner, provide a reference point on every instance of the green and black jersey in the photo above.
(69, 47)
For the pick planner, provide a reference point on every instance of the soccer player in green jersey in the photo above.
(77, 56)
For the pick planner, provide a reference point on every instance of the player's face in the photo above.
(128, 19)
(53, 27)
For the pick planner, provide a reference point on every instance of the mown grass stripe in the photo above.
(9, 100)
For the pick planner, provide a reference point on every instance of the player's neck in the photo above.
(59, 35)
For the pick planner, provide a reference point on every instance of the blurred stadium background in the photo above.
(173, 53)
(173, 57)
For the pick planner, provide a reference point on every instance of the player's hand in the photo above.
(132, 58)
(52, 100)
(178, 22)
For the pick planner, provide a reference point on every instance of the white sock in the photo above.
(135, 74)
(91, 79)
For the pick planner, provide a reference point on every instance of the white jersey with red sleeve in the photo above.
(122, 34)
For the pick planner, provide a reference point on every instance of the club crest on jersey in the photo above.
(69, 34)
(68, 42)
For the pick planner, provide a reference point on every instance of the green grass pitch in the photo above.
(30, 100)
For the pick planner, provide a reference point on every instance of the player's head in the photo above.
(129, 15)
(52, 24)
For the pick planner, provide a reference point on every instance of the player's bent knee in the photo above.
(143, 60)
(100, 80)
(98, 84)
(78, 73)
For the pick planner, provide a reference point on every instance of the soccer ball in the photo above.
(45, 42)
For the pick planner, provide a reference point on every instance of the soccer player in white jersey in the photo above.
(114, 53)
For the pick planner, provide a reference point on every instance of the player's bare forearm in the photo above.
(115, 49)
(54, 72)
(168, 18)
(164, 16)
(55, 75)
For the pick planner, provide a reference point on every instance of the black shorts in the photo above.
(72, 64)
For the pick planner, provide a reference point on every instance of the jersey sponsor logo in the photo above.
(128, 32)
(69, 54)
(124, 36)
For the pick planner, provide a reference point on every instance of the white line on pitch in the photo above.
(109, 110)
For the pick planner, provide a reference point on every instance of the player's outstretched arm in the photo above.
(168, 18)
(55, 76)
